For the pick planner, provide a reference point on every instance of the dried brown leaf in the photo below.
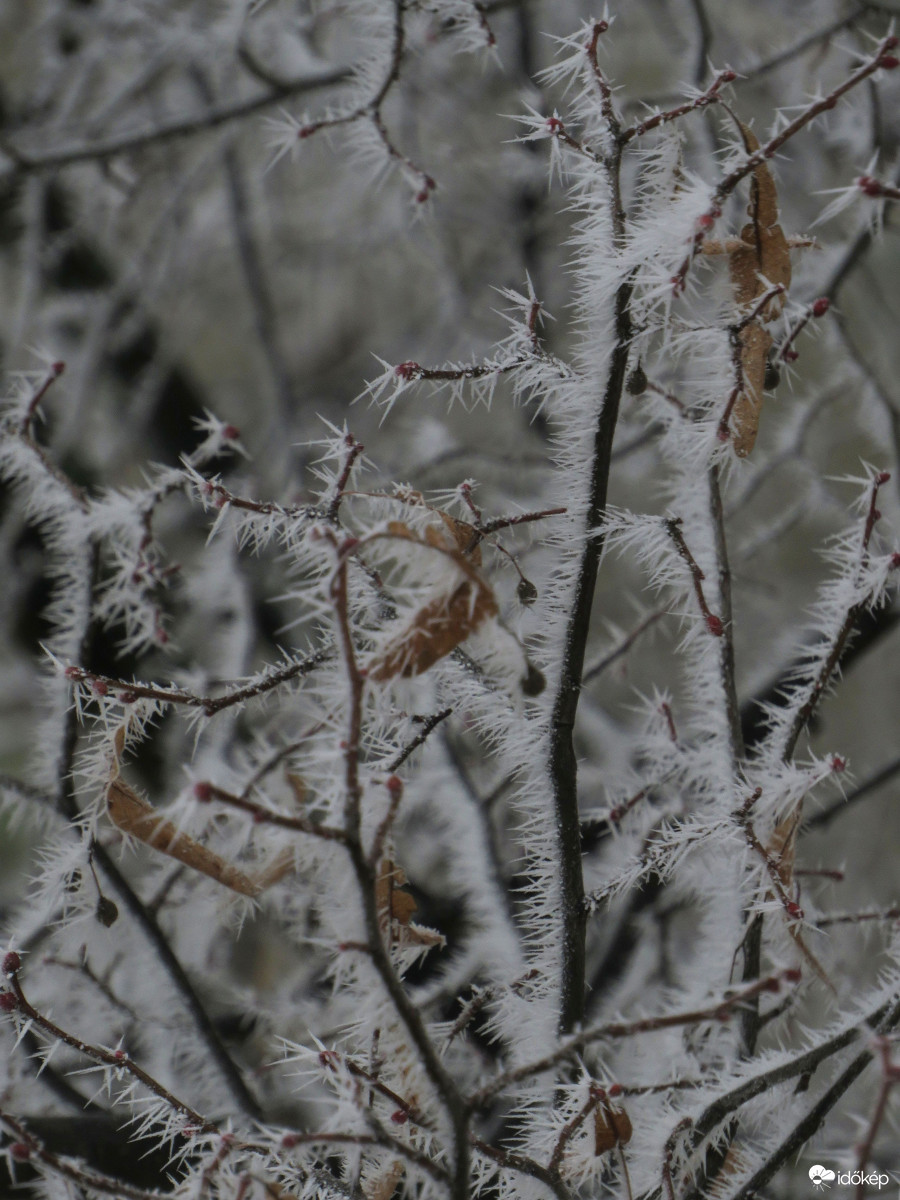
(134, 816)
(612, 1127)
(760, 260)
(396, 907)
(755, 342)
(384, 1186)
(435, 630)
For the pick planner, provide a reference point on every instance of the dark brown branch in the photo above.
(37, 160)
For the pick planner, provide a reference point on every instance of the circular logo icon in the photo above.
(821, 1177)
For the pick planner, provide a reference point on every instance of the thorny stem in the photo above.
(83, 1178)
(884, 1019)
(622, 648)
(881, 58)
(615, 1030)
(819, 685)
(710, 96)
(66, 804)
(117, 1059)
(129, 691)
(890, 1076)
(726, 645)
(268, 816)
(815, 1118)
(860, 793)
(714, 624)
(353, 450)
(365, 873)
(28, 160)
(371, 110)
(428, 724)
(563, 763)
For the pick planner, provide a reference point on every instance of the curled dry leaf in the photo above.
(780, 853)
(135, 817)
(612, 1127)
(445, 621)
(762, 260)
(395, 908)
(384, 1186)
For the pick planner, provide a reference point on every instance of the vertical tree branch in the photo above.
(563, 762)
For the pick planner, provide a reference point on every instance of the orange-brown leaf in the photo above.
(435, 630)
(765, 249)
(140, 820)
(755, 342)
(612, 1127)
(396, 906)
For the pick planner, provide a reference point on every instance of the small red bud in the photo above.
(289, 1141)
(723, 433)
(203, 791)
(11, 963)
(890, 42)
(162, 638)
(208, 488)
(394, 785)
(793, 975)
(821, 306)
(794, 910)
(407, 370)
(728, 76)
(328, 1058)
(120, 1056)
(882, 478)
(127, 697)
(231, 433)
(305, 131)
(422, 196)
(889, 61)
(895, 560)
(838, 764)
(772, 985)
(73, 673)
(220, 501)
(614, 1089)
(714, 625)
(790, 355)
(554, 124)
(19, 1152)
(399, 1117)
(869, 186)
(9, 1002)
(602, 26)
(99, 688)
(57, 368)
(677, 282)
(706, 221)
